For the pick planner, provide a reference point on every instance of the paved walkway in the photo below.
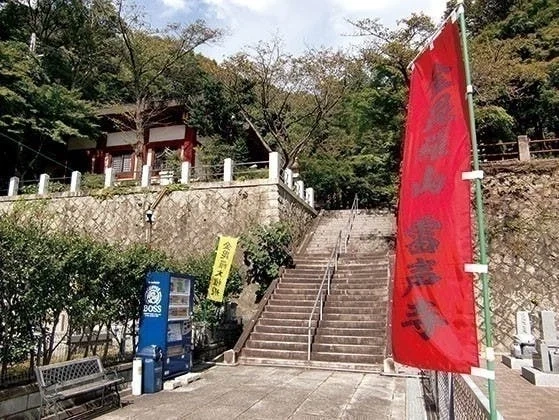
(519, 399)
(254, 392)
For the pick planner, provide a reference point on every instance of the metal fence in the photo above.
(455, 396)
(207, 343)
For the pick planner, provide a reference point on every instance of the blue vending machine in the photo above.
(166, 320)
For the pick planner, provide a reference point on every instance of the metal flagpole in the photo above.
(489, 352)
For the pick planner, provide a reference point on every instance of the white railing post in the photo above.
(300, 186)
(14, 186)
(44, 184)
(523, 148)
(309, 197)
(274, 166)
(228, 170)
(185, 172)
(288, 178)
(109, 177)
(146, 176)
(75, 182)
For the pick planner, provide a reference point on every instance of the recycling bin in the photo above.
(152, 369)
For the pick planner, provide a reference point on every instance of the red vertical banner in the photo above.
(433, 313)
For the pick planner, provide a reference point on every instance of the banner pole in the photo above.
(489, 352)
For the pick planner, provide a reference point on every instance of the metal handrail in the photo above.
(331, 268)
(349, 224)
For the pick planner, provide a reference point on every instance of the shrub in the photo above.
(267, 248)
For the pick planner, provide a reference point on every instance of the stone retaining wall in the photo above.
(522, 209)
(186, 222)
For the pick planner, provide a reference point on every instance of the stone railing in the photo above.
(226, 173)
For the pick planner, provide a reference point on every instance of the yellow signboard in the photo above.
(222, 265)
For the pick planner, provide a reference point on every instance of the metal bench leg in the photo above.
(119, 402)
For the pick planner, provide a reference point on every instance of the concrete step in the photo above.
(284, 291)
(312, 364)
(273, 354)
(377, 331)
(283, 345)
(281, 330)
(300, 284)
(351, 317)
(371, 302)
(280, 337)
(376, 295)
(348, 357)
(354, 340)
(349, 285)
(289, 308)
(285, 322)
(355, 310)
(339, 291)
(288, 315)
(352, 324)
(293, 297)
(347, 348)
(276, 301)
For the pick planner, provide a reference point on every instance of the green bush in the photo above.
(201, 267)
(267, 248)
(92, 182)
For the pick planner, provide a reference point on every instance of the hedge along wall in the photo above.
(522, 209)
(187, 222)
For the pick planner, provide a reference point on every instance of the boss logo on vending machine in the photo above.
(152, 306)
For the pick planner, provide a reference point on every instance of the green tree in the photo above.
(285, 100)
(35, 115)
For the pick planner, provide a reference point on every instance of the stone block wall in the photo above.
(522, 217)
(186, 222)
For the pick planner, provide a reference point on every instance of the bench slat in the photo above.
(70, 392)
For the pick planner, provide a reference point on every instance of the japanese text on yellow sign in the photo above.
(222, 265)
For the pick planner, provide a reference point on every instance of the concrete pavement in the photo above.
(257, 392)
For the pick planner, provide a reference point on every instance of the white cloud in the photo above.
(300, 23)
(361, 5)
(175, 4)
(253, 5)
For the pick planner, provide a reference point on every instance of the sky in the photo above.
(301, 24)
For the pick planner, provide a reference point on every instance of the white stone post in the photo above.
(149, 160)
(274, 167)
(109, 177)
(185, 172)
(309, 197)
(146, 176)
(44, 184)
(75, 182)
(14, 186)
(288, 178)
(228, 170)
(523, 148)
(300, 187)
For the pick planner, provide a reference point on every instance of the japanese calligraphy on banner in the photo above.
(222, 265)
(433, 313)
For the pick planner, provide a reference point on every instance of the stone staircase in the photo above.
(352, 332)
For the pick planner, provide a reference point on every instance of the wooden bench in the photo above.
(60, 381)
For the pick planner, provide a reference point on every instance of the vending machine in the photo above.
(166, 320)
